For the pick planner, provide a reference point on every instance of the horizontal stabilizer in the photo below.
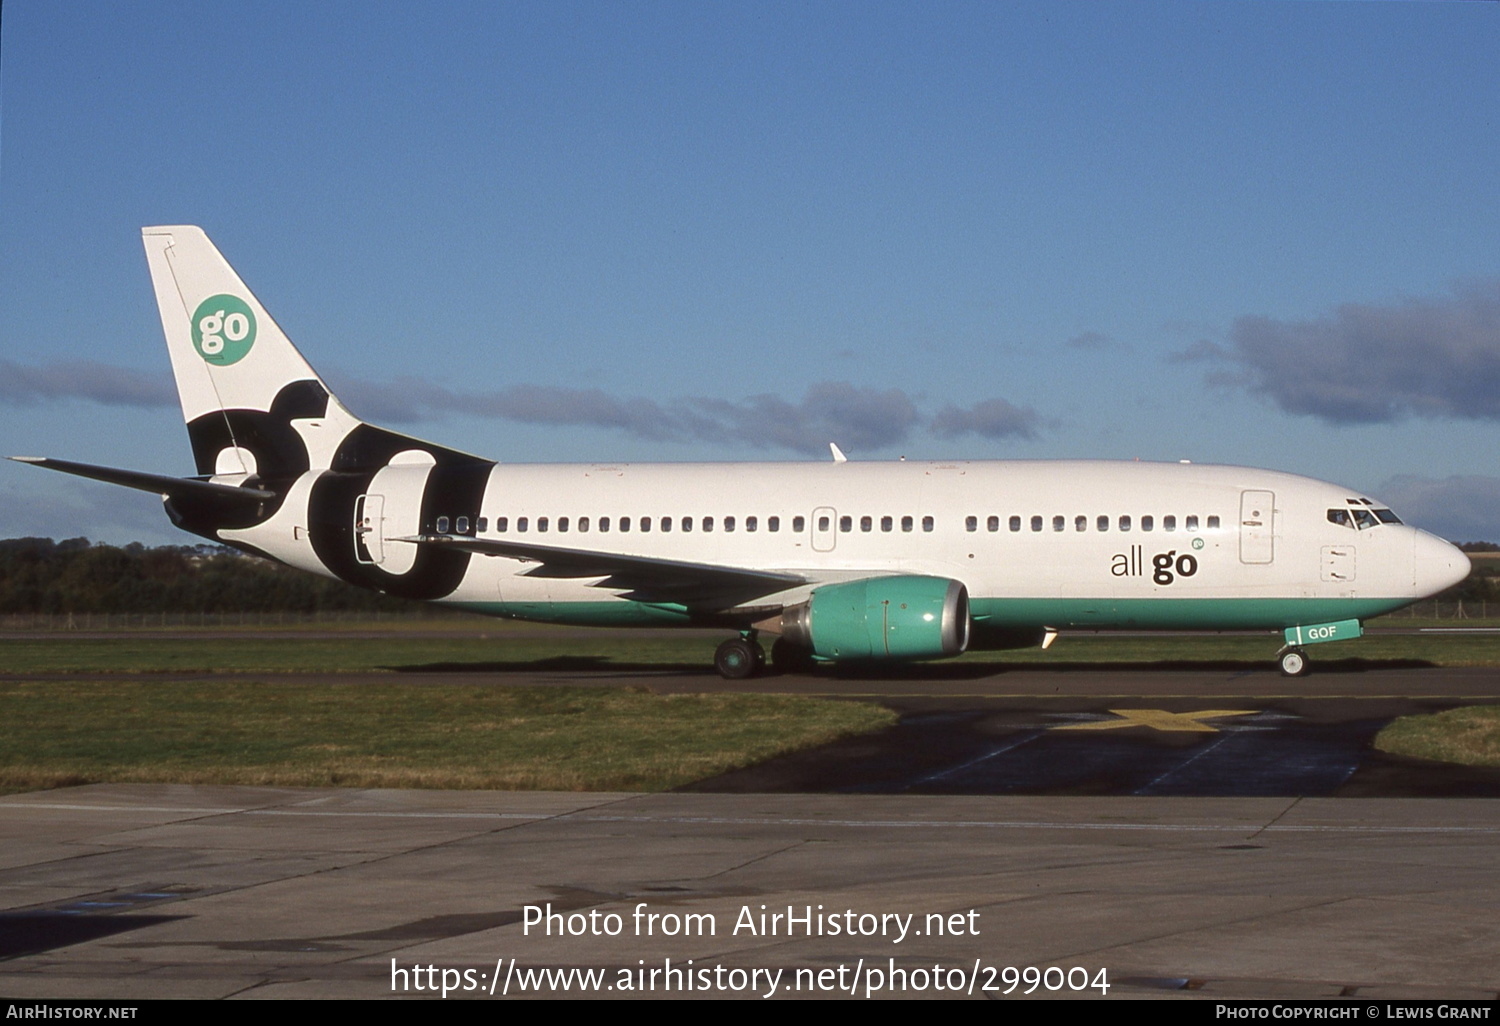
(158, 483)
(648, 578)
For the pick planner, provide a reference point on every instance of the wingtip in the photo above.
(28, 459)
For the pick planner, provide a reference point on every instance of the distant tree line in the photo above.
(1483, 582)
(38, 575)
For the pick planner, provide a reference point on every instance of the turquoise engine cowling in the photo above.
(907, 617)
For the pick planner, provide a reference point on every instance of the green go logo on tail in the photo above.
(223, 330)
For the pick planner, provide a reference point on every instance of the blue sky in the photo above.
(1246, 233)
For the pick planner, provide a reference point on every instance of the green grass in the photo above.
(146, 654)
(382, 732)
(1469, 736)
(390, 735)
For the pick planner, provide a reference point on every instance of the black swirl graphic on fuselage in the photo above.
(455, 488)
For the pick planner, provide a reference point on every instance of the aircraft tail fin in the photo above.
(254, 407)
(241, 381)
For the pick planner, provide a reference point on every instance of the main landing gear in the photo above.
(740, 657)
(1293, 662)
(789, 658)
(743, 657)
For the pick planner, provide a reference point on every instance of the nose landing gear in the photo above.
(1293, 662)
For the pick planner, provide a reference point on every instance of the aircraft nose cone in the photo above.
(1436, 564)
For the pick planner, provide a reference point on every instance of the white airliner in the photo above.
(841, 560)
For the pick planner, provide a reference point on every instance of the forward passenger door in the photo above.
(1257, 526)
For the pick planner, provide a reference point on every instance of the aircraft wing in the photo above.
(643, 578)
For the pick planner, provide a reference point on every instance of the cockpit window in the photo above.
(1361, 519)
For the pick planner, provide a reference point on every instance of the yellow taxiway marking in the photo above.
(1160, 719)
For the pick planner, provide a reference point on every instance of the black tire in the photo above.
(789, 658)
(735, 659)
(1293, 662)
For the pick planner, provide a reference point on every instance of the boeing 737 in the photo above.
(843, 560)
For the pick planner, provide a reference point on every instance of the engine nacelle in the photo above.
(882, 618)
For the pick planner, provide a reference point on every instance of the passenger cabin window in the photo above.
(846, 524)
(1015, 523)
(906, 523)
(1036, 523)
(708, 523)
(522, 523)
(583, 523)
(1213, 523)
(798, 524)
(541, 523)
(887, 524)
(562, 523)
(1148, 523)
(604, 524)
(1192, 522)
(1125, 523)
(751, 523)
(1080, 523)
(666, 525)
(483, 525)
(1102, 523)
(502, 524)
(971, 523)
(1169, 523)
(823, 523)
(1059, 523)
(993, 524)
(729, 523)
(687, 523)
(927, 524)
(442, 525)
(866, 524)
(773, 524)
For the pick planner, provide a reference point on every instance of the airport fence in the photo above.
(1448, 609)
